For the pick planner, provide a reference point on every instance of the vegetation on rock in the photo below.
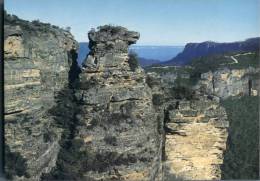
(133, 61)
(241, 159)
(15, 164)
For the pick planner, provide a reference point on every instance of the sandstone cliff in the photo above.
(37, 62)
(230, 82)
(196, 135)
(116, 133)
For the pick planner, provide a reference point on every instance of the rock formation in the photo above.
(230, 82)
(37, 62)
(196, 138)
(116, 110)
(116, 136)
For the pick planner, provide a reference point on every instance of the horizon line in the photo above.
(184, 44)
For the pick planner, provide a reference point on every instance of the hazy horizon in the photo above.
(171, 23)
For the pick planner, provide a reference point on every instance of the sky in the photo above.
(160, 22)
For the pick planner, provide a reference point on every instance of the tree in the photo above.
(133, 60)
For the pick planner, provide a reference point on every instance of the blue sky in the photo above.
(160, 22)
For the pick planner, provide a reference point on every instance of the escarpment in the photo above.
(230, 82)
(37, 62)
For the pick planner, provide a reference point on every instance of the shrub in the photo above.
(36, 22)
(133, 61)
(152, 81)
(182, 93)
(15, 164)
(111, 140)
(48, 136)
(157, 99)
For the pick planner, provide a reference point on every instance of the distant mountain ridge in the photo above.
(161, 53)
(147, 62)
(196, 50)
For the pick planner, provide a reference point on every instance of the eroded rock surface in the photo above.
(230, 82)
(196, 135)
(119, 121)
(36, 65)
(116, 133)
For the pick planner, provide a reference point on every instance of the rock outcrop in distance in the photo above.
(227, 82)
(37, 59)
(196, 50)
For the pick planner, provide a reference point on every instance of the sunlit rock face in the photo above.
(36, 67)
(226, 82)
(196, 136)
(119, 125)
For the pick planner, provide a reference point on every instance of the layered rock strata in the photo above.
(116, 136)
(196, 135)
(37, 62)
(230, 82)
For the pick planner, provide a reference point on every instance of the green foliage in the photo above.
(185, 82)
(111, 140)
(151, 81)
(170, 69)
(242, 155)
(182, 88)
(157, 99)
(36, 22)
(252, 76)
(133, 61)
(15, 164)
(213, 62)
(48, 135)
(180, 92)
(70, 162)
(207, 63)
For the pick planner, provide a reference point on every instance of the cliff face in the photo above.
(120, 126)
(115, 135)
(230, 82)
(196, 135)
(37, 62)
(196, 50)
(234, 81)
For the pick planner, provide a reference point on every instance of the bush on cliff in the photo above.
(133, 61)
(213, 62)
(242, 154)
(158, 99)
(15, 164)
